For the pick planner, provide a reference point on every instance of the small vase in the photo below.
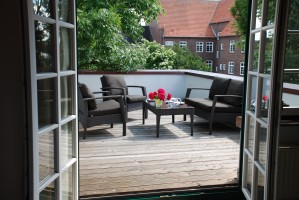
(158, 103)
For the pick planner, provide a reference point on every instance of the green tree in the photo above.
(103, 26)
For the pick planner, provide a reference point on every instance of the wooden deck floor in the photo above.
(111, 163)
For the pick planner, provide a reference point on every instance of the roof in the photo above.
(192, 18)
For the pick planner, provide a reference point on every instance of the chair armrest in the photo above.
(190, 89)
(101, 92)
(104, 97)
(143, 89)
(117, 88)
(226, 95)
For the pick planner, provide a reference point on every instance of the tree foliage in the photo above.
(103, 26)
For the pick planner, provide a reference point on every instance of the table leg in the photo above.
(192, 123)
(158, 124)
(173, 119)
(185, 117)
(143, 114)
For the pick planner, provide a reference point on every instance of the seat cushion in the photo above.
(114, 81)
(87, 93)
(206, 104)
(219, 86)
(135, 98)
(235, 87)
(105, 108)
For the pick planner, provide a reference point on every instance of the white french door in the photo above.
(53, 76)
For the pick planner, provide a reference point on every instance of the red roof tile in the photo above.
(192, 18)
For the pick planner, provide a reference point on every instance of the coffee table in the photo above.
(168, 109)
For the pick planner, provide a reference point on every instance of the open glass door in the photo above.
(53, 78)
(257, 129)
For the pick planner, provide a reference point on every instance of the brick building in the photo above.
(206, 28)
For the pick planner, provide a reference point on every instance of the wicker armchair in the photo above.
(116, 85)
(92, 113)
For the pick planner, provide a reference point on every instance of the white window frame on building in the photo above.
(209, 63)
(199, 46)
(183, 44)
(224, 66)
(217, 54)
(231, 66)
(232, 46)
(209, 47)
(220, 66)
(169, 43)
(242, 67)
(221, 46)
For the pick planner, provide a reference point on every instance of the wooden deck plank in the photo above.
(111, 163)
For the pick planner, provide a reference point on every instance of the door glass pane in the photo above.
(262, 145)
(267, 62)
(260, 186)
(64, 10)
(49, 193)
(68, 184)
(292, 52)
(266, 84)
(248, 175)
(271, 11)
(293, 15)
(250, 134)
(46, 146)
(46, 102)
(43, 8)
(252, 94)
(45, 59)
(255, 54)
(65, 49)
(258, 14)
(67, 96)
(67, 141)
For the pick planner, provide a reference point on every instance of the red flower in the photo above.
(161, 96)
(169, 96)
(151, 95)
(161, 90)
(265, 98)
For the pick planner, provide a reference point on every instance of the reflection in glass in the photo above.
(64, 10)
(249, 175)
(46, 145)
(262, 145)
(293, 23)
(256, 46)
(271, 11)
(46, 102)
(292, 51)
(44, 47)
(258, 14)
(67, 96)
(268, 51)
(265, 98)
(43, 8)
(250, 134)
(68, 184)
(49, 193)
(260, 186)
(252, 94)
(65, 49)
(67, 137)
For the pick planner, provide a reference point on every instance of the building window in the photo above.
(209, 63)
(216, 69)
(242, 67)
(230, 67)
(209, 47)
(232, 46)
(217, 54)
(221, 46)
(224, 67)
(220, 67)
(243, 46)
(168, 43)
(183, 44)
(199, 46)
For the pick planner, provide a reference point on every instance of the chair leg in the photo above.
(210, 127)
(124, 129)
(111, 125)
(84, 133)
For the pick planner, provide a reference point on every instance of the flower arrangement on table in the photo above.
(159, 96)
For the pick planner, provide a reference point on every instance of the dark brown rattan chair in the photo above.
(93, 113)
(116, 85)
